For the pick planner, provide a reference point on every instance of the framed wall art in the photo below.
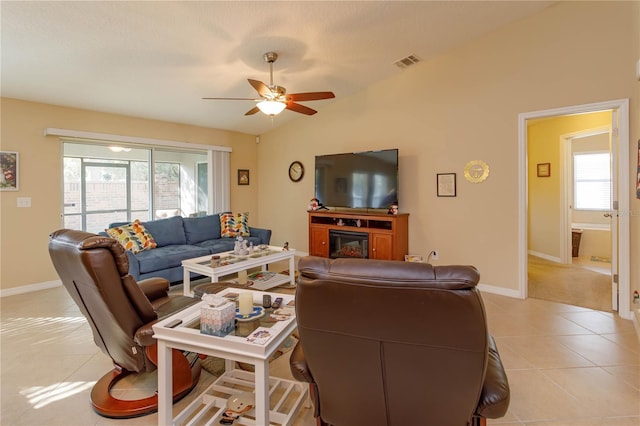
(544, 169)
(243, 177)
(446, 183)
(9, 171)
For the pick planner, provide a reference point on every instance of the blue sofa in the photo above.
(179, 238)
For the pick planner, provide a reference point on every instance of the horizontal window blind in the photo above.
(592, 181)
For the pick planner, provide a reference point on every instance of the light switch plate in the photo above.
(24, 201)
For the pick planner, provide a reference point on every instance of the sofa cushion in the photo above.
(165, 231)
(133, 236)
(225, 244)
(199, 229)
(255, 240)
(218, 245)
(168, 231)
(167, 257)
(234, 224)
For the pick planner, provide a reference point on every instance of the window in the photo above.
(591, 180)
(104, 185)
(167, 189)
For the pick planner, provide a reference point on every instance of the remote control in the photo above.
(266, 301)
(174, 323)
(276, 303)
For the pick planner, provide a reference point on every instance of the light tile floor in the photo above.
(566, 365)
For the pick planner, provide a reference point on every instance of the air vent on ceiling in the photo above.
(407, 62)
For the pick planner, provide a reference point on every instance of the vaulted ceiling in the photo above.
(158, 59)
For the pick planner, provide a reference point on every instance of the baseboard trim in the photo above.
(545, 256)
(500, 291)
(29, 288)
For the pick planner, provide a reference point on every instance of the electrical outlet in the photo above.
(434, 255)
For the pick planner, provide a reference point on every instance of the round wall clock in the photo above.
(296, 171)
(476, 171)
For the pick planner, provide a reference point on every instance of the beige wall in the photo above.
(459, 107)
(24, 231)
(441, 113)
(544, 146)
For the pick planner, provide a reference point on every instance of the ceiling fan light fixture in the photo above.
(271, 107)
(273, 99)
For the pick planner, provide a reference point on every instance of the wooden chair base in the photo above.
(184, 380)
(479, 421)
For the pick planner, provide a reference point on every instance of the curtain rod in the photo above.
(52, 131)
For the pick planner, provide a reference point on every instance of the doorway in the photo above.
(573, 265)
(618, 113)
(587, 196)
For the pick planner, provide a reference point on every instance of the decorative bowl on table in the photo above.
(258, 312)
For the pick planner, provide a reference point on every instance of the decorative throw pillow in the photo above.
(234, 224)
(133, 237)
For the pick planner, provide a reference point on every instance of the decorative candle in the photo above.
(245, 303)
(242, 277)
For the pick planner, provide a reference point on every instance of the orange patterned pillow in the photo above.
(234, 225)
(133, 237)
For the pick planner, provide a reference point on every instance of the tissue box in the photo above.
(218, 321)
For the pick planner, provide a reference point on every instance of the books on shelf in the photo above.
(265, 280)
(261, 276)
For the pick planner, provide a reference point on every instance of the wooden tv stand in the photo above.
(388, 234)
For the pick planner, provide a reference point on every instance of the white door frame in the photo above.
(622, 178)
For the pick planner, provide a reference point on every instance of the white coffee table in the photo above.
(286, 395)
(232, 263)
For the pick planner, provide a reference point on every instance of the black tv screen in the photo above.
(358, 180)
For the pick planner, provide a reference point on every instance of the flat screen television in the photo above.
(359, 180)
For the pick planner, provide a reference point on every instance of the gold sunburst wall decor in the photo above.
(476, 171)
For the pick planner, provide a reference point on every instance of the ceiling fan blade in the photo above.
(262, 89)
(310, 96)
(230, 99)
(300, 108)
(252, 111)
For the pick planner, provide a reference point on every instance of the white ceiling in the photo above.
(158, 59)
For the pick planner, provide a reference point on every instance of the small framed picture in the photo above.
(446, 184)
(8, 171)
(243, 177)
(544, 169)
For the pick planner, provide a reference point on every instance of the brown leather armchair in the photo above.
(120, 311)
(396, 343)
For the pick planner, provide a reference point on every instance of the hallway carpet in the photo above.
(569, 284)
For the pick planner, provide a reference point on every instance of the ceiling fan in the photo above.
(274, 99)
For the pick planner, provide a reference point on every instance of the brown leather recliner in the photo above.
(120, 311)
(396, 343)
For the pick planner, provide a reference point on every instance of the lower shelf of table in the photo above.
(278, 280)
(275, 281)
(286, 398)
